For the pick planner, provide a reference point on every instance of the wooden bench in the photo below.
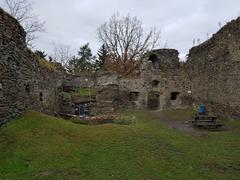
(207, 122)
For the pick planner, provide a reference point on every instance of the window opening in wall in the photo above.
(27, 88)
(174, 95)
(9, 59)
(134, 96)
(155, 83)
(155, 61)
(41, 96)
(153, 57)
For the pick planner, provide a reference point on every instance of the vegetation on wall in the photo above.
(85, 92)
(66, 97)
(46, 64)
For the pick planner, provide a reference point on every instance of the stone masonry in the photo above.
(213, 69)
(24, 83)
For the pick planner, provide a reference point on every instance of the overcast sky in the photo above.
(74, 22)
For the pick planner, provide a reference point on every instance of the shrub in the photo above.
(95, 120)
(105, 119)
(66, 97)
(124, 120)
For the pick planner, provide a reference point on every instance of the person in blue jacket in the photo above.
(202, 110)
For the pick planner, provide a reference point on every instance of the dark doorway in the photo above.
(153, 101)
(82, 109)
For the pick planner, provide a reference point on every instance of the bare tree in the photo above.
(198, 41)
(126, 41)
(194, 42)
(22, 11)
(61, 54)
(220, 24)
(166, 44)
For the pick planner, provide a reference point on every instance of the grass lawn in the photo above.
(37, 146)
(85, 92)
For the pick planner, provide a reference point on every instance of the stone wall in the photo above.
(164, 59)
(214, 71)
(24, 83)
(161, 76)
(83, 80)
(107, 99)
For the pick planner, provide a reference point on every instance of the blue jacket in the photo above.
(202, 109)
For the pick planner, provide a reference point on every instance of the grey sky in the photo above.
(74, 22)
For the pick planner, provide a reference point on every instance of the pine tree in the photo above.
(83, 62)
(102, 56)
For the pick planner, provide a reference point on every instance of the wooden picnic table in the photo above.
(207, 121)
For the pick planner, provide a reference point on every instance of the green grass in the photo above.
(84, 92)
(37, 146)
(177, 115)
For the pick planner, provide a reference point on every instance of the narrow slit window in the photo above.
(40, 96)
(27, 88)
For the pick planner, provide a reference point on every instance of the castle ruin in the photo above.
(211, 76)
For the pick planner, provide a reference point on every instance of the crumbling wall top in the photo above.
(164, 59)
(10, 29)
(226, 40)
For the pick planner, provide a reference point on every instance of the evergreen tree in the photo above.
(83, 62)
(72, 65)
(102, 56)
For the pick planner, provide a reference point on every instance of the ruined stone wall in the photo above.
(161, 75)
(24, 83)
(164, 59)
(83, 80)
(167, 80)
(210, 76)
(214, 71)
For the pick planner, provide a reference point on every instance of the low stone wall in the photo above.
(24, 83)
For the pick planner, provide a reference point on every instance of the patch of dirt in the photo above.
(44, 174)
